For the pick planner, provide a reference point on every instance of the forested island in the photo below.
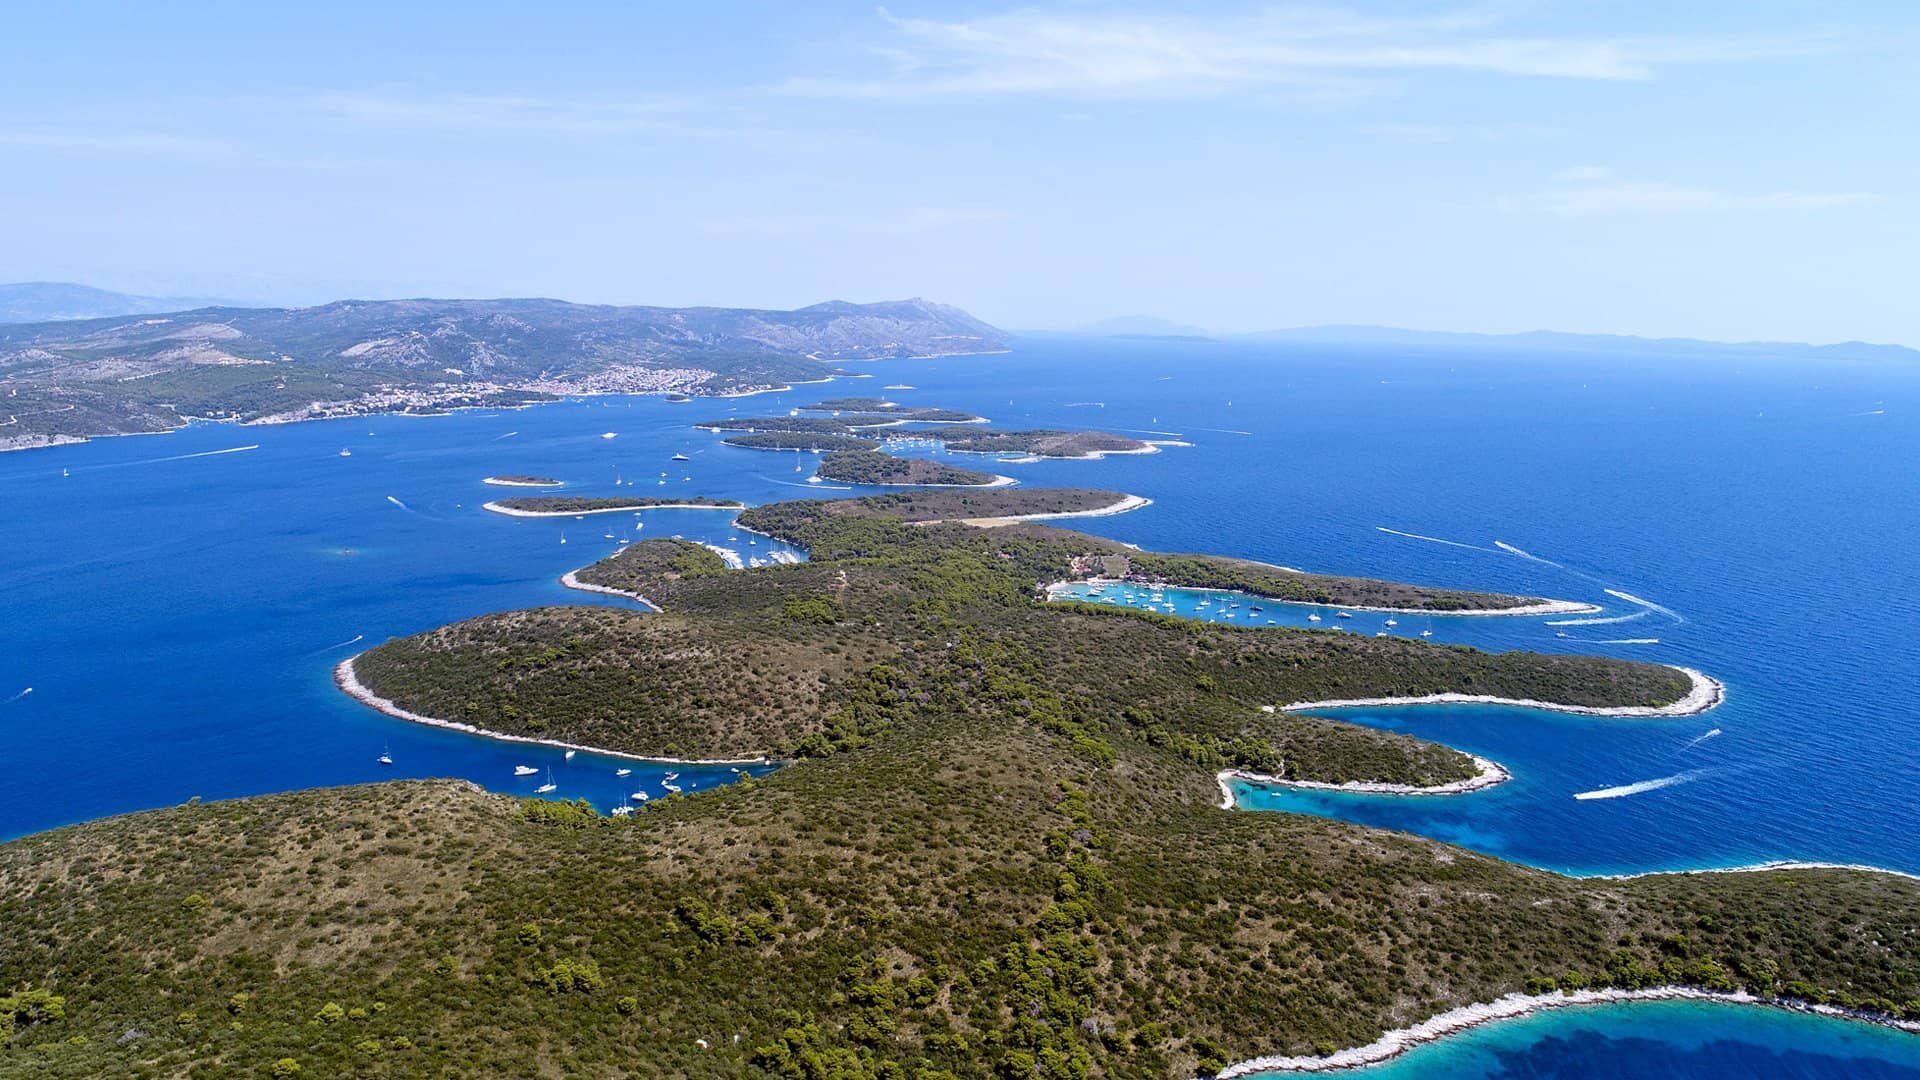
(873, 467)
(803, 441)
(521, 480)
(567, 505)
(1045, 443)
(996, 851)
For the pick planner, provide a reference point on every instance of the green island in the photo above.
(565, 505)
(1044, 443)
(996, 850)
(815, 425)
(800, 440)
(873, 406)
(874, 467)
(522, 480)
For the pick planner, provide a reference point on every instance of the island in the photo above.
(872, 406)
(803, 441)
(873, 467)
(516, 480)
(997, 849)
(1047, 443)
(575, 505)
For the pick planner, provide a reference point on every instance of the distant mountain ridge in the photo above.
(153, 371)
(1551, 339)
(48, 301)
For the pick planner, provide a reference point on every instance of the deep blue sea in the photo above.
(177, 613)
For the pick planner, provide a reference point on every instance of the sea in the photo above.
(172, 606)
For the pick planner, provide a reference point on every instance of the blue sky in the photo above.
(1738, 170)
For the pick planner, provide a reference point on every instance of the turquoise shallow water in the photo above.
(1657, 1038)
(177, 617)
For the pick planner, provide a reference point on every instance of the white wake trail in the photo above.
(1701, 739)
(1511, 550)
(1223, 431)
(177, 457)
(508, 435)
(1628, 641)
(1648, 604)
(1643, 786)
(1431, 539)
(1604, 621)
(17, 696)
(339, 644)
(397, 503)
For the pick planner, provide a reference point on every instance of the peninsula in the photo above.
(998, 849)
(575, 505)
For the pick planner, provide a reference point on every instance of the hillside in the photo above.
(62, 380)
(998, 853)
(47, 301)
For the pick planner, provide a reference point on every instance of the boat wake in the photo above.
(1648, 604)
(1629, 641)
(339, 644)
(1598, 622)
(1433, 540)
(1224, 431)
(508, 435)
(1644, 786)
(178, 457)
(398, 503)
(1696, 742)
(17, 696)
(1086, 405)
(1511, 550)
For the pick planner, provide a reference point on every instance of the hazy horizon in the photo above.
(1717, 172)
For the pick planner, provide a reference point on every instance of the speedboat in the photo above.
(623, 772)
(524, 770)
(681, 457)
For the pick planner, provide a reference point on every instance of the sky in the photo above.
(1739, 171)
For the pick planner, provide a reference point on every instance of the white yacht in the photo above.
(524, 770)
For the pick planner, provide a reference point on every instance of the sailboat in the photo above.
(386, 756)
(570, 754)
(548, 786)
(563, 536)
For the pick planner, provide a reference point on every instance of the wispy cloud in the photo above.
(153, 143)
(1090, 54)
(1594, 191)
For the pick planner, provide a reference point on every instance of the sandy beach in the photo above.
(348, 681)
(1491, 773)
(1395, 1043)
(629, 509)
(1706, 693)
